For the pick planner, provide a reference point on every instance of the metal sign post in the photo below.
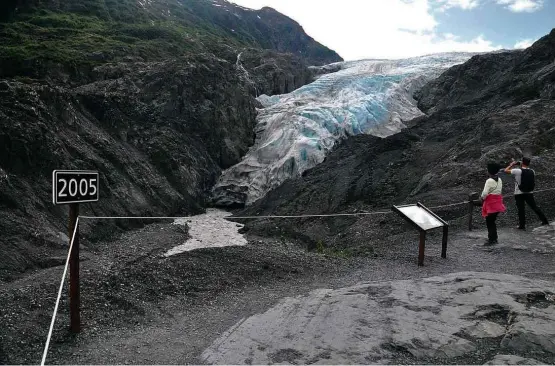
(73, 187)
(424, 220)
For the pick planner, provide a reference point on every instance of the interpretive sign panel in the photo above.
(421, 217)
(424, 220)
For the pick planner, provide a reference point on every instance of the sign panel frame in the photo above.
(423, 231)
(78, 197)
(399, 210)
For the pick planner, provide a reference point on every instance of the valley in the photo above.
(208, 112)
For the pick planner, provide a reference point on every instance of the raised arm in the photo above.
(510, 167)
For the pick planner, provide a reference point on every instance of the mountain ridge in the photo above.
(78, 35)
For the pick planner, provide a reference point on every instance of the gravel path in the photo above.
(181, 327)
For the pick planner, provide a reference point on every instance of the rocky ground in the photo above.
(465, 317)
(142, 307)
(125, 281)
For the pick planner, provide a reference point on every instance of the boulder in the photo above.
(457, 318)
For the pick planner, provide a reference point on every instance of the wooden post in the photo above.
(444, 241)
(470, 211)
(421, 247)
(471, 198)
(74, 301)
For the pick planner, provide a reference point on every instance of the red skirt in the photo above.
(493, 204)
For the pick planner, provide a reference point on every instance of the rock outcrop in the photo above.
(460, 318)
(158, 133)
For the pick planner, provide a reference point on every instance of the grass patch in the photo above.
(344, 252)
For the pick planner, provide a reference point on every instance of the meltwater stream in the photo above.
(209, 230)
(295, 131)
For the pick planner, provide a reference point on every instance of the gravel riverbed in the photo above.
(141, 307)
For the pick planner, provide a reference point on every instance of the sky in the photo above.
(359, 29)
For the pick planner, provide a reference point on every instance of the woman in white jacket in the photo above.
(492, 201)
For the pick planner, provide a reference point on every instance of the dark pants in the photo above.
(521, 201)
(492, 228)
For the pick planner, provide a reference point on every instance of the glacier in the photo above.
(295, 131)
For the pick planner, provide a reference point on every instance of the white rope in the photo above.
(59, 294)
(450, 205)
(541, 190)
(302, 216)
(288, 216)
(240, 217)
(134, 217)
(230, 217)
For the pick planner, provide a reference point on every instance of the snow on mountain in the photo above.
(295, 131)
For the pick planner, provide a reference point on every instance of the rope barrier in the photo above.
(538, 191)
(451, 205)
(229, 217)
(303, 216)
(290, 216)
(59, 295)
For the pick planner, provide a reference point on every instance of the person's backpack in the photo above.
(527, 181)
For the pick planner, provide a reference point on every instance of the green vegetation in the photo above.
(92, 31)
(77, 34)
(345, 252)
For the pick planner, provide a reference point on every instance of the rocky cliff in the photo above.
(158, 96)
(492, 108)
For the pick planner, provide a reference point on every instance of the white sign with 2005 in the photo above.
(74, 186)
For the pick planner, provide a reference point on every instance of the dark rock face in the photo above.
(288, 36)
(492, 108)
(158, 97)
(159, 133)
(495, 80)
(275, 73)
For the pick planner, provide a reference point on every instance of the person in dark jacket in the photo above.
(524, 194)
(492, 202)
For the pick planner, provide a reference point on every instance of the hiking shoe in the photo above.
(490, 242)
(545, 224)
(521, 228)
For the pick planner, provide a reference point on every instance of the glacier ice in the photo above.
(296, 130)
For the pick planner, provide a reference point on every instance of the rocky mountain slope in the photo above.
(158, 96)
(492, 108)
(73, 36)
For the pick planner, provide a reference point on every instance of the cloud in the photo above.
(463, 4)
(520, 6)
(525, 43)
(376, 29)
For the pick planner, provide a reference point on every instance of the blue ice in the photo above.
(296, 130)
